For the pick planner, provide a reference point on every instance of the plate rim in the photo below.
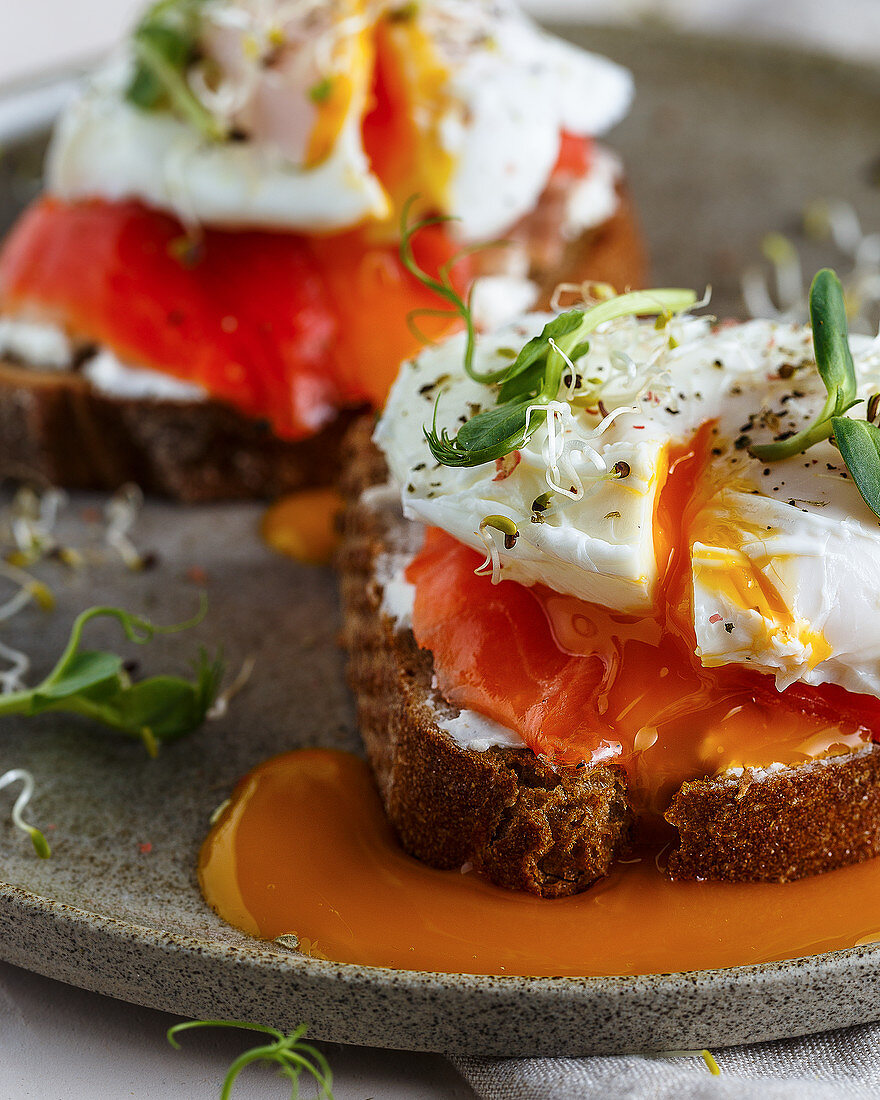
(581, 991)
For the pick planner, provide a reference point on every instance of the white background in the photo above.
(43, 35)
(60, 1043)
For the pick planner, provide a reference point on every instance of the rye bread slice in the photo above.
(56, 428)
(780, 824)
(502, 811)
(525, 825)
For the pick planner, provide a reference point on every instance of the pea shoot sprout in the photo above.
(858, 440)
(550, 384)
(96, 685)
(528, 387)
(19, 775)
(288, 1052)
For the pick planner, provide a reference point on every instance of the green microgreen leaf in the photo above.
(321, 92)
(833, 356)
(84, 670)
(499, 431)
(538, 348)
(442, 286)
(834, 363)
(165, 45)
(288, 1052)
(859, 444)
(534, 378)
(503, 435)
(94, 684)
(526, 384)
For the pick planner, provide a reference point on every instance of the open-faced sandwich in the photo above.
(211, 281)
(633, 598)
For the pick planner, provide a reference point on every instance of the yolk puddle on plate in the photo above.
(304, 848)
(303, 525)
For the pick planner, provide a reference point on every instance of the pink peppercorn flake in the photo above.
(505, 466)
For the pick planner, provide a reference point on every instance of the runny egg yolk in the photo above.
(401, 132)
(336, 96)
(580, 682)
(303, 848)
(384, 76)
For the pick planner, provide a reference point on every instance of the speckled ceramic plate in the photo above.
(726, 143)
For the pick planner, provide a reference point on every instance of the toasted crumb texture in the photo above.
(503, 811)
(779, 825)
(55, 428)
(554, 833)
(613, 252)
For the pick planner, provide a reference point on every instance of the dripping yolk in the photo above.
(304, 848)
(580, 682)
(336, 97)
(401, 132)
(304, 525)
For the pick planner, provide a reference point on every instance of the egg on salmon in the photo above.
(663, 597)
(236, 178)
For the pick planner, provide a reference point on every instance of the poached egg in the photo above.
(480, 96)
(784, 557)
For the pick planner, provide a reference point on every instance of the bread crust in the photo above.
(779, 825)
(504, 812)
(770, 825)
(55, 428)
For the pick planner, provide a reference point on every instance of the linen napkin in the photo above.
(835, 1065)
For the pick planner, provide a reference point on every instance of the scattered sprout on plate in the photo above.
(783, 295)
(19, 775)
(707, 1056)
(288, 1052)
(96, 685)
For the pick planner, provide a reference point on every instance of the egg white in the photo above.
(802, 525)
(507, 101)
(105, 147)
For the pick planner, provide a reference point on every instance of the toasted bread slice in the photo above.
(502, 811)
(550, 832)
(779, 824)
(56, 428)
